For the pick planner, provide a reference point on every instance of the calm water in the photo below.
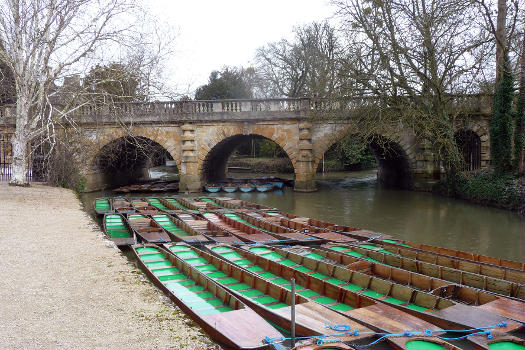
(354, 199)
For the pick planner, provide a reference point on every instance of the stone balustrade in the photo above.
(294, 108)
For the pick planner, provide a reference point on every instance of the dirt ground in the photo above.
(63, 286)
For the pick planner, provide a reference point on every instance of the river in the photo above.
(355, 199)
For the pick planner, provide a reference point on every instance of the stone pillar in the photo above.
(304, 168)
(427, 171)
(189, 173)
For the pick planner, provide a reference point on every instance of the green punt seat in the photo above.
(120, 235)
(254, 268)
(341, 307)
(272, 256)
(373, 293)
(177, 231)
(308, 293)
(314, 256)
(172, 277)
(163, 263)
(152, 256)
(165, 271)
(206, 268)
(175, 203)
(147, 249)
(219, 249)
(216, 274)
(185, 254)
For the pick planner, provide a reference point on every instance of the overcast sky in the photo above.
(214, 33)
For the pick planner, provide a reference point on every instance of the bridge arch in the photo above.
(213, 156)
(120, 159)
(394, 154)
(469, 145)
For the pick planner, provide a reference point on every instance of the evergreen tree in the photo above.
(501, 122)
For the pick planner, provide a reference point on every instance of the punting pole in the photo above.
(293, 312)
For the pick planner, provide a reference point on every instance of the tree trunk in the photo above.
(18, 176)
(519, 126)
(501, 37)
(19, 143)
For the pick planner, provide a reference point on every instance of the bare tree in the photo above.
(413, 55)
(505, 21)
(309, 64)
(43, 41)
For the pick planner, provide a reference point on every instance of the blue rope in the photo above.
(346, 330)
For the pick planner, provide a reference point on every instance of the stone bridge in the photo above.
(199, 136)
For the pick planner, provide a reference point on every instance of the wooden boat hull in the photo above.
(147, 229)
(102, 206)
(487, 283)
(511, 308)
(229, 189)
(264, 188)
(178, 231)
(441, 312)
(246, 188)
(379, 317)
(267, 299)
(118, 231)
(480, 268)
(212, 189)
(240, 327)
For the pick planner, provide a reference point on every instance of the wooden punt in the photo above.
(254, 219)
(359, 308)
(196, 204)
(479, 258)
(254, 230)
(102, 206)
(117, 229)
(478, 261)
(511, 308)
(157, 204)
(313, 231)
(173, 203)
(269, 300)
(247, 187)
(462, 277)
(444, 313)
(229, 188)
(143, 207)
(147, 229)
(122, 206)
(241, 232)
(223, 316)
(212, 188)
(207, 229)
(481, 268)
(178, 230)
(241, 204)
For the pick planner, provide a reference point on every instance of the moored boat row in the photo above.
(381, 288)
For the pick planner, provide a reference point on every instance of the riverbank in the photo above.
(64, 286)
(499, 191)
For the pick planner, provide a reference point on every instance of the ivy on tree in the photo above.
(501, 122)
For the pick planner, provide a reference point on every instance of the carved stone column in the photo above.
(189, 173)
(305, 172)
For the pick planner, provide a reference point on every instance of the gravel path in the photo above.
(62, 286)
